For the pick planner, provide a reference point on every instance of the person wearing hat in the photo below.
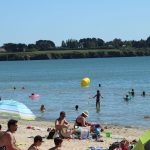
(81, 120)
(37, 142)
(7, 139)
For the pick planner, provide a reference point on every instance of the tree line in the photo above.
(85, 43)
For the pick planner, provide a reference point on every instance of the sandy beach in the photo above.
(24, 136)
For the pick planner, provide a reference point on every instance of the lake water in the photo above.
(58, 83)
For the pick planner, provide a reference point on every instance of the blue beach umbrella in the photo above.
(15, 109)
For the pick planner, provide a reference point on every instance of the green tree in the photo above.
(117, 43)
(45, 44)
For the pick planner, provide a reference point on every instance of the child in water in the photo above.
(98, 96)
(42, 109)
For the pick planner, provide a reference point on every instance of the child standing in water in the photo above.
(98, 96)
(42, 109)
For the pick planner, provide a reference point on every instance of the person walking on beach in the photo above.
(98, 96)
(7, 139)
(37, 142)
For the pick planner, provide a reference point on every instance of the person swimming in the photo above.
(132, 92)
(42, 108)
(143, 93)
(76, 107)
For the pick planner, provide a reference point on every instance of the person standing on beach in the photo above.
(98, 96)
(7, 139)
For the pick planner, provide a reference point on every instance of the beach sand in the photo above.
(24, 136)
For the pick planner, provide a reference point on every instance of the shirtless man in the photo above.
(7, 140)
(58, 144)
(37, 142)
(61, 122)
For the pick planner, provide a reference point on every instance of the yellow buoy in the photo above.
(85, 82)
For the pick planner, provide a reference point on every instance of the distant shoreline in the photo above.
(72, 54)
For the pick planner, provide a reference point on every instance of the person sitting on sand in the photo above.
(42, 108)
(61, 122)
(7, 140)
(58, 143)
(37, 143)
(81, 120)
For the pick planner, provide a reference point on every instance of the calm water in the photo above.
(58, 83)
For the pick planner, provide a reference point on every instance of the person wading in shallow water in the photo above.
(98, 96)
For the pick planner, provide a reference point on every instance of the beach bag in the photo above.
(51, 134)
(114, 145)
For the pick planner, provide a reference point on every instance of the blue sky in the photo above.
(26, 21)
